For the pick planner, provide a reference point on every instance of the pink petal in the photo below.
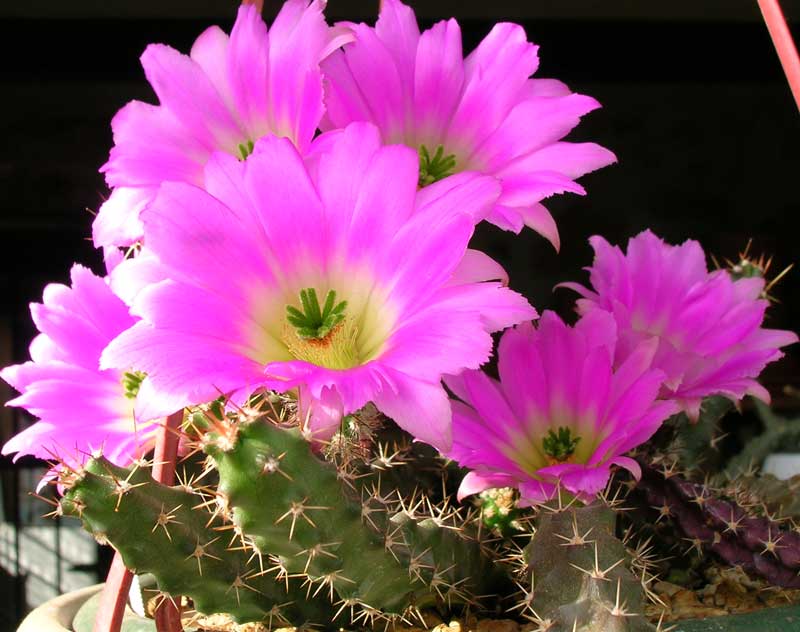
(419, 407)
(247, 71)
(397, 29)
(495, 72)
(439, 76)
(570, 159)
(184, 89)
(555, 117)
(474, 483)
(117, 222)
(476, 267)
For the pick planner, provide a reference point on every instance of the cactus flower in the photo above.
(339, 279)
(560, 415)
(224, 96)
(708, 325)
(80, 407)
(482, 113)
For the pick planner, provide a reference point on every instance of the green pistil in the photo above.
(313, 322)
(560, 445)
(132, 382)
(245, 149)
(436, 167)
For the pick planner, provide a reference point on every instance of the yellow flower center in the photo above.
(337, 350)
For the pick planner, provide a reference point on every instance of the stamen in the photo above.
(132, 382)
(245, 149)
(338, 350)
(321, 335)
(314, 323)
(436, 167)
(560, 445)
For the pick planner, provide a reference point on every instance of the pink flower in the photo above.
(708, 326)
(80, 407)
(340, 279)
(224, 96)
(484, 111)
(560, 414)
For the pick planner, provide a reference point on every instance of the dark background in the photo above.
(695, 106)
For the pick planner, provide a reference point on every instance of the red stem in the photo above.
(166, 451)
(259, 4)
(118, 582)
(114, 597)
(784, 44)
(168, 614)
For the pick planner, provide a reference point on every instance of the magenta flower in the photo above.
(560, 414)
(708, 326)
(341, 280)
(80, 407)
(224, 96)
(482, 113)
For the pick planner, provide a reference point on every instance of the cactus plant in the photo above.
(284, 534)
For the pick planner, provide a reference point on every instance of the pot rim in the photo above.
(57, 614)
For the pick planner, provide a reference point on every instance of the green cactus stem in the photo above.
(581, 578)
(171, 533)
(779, 433)
(373, 551)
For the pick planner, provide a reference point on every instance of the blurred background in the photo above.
(695, 106)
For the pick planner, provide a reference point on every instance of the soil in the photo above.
(727, 591)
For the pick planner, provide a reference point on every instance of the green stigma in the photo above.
(245, 149)
(436, 167)
(560, 445)
(132, 382)
(315, 322)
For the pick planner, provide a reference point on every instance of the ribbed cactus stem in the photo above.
(171, 533)
(348, 539)
(580, 574)
(748, 535)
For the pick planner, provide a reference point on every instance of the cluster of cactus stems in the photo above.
(280, 534)
(274, 528)
(748, 523)
(363, 530)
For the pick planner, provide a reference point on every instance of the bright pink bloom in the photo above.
(560, 414)
(80, 407)
(484, 110)
(237, 254)
(708, 325)
(224, 96)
